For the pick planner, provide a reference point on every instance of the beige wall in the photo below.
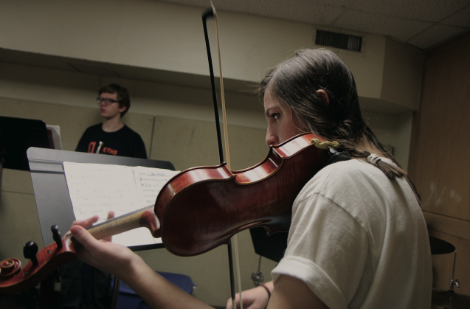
(393, 131)
(128, 36)
(403, 67)
(160, 36)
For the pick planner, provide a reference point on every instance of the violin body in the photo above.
(202, 208)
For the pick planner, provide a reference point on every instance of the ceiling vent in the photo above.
(338, 40)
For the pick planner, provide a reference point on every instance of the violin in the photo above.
(196, 211)
(202, 208)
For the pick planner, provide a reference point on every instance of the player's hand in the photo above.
(90, 221)
(256, 298)
(101, 254)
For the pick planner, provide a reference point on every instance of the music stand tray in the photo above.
(50, 187)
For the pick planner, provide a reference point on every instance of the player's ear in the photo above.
(324, 96)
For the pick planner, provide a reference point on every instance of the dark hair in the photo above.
(121, 93)
(295, 82)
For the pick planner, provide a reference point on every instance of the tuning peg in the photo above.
(29, 252)
(56, 236)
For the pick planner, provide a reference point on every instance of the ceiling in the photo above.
(419, 23)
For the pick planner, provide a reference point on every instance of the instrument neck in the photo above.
(140, 218)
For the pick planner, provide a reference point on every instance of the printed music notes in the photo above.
(96, 189)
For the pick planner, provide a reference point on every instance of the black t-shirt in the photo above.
(124, 142)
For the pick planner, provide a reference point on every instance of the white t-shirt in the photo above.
(359, 240)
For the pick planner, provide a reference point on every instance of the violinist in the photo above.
(357, 239)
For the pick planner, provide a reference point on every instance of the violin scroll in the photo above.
(14, 278)
(9, 267)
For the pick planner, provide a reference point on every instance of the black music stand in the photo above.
(271, 247)
(16, 136)
(51, 191)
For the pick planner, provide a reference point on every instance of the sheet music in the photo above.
(95, 189)
(149, 181)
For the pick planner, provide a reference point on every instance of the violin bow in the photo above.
(211, 12)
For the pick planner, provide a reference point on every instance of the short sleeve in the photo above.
(327, 249)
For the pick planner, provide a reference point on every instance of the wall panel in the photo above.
(188, 143)
(438, 163)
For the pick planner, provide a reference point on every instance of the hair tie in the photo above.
(325, 144)
(266, 288)
(373, 159)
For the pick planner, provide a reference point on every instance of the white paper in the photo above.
(96, 189)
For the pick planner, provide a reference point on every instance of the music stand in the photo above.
(271, 247)
(16, 136)
(51, 191)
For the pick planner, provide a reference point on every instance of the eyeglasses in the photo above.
(107, 101)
